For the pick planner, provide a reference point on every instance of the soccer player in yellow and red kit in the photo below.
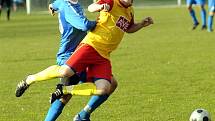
(116, 17)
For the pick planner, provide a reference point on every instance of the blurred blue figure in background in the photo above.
(17, 3)
(200, 3)
(211, 5)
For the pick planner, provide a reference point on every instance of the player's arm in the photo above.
(51, 10)
(53, 7)
(101, 5)
(79, 21)
(137, 26)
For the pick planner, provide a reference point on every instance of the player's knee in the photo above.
(66, 71)
(103, 86)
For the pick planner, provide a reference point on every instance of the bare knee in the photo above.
(103, 86)
(66, 71)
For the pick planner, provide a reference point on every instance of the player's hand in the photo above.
(147, 21)
(105, 7)
(51, 10)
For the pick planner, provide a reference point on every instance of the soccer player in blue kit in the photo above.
(201, 3)
(211, 5)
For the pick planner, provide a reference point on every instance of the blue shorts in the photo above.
(198, 2)
(211, 5)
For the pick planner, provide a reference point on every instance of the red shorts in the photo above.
(86, 58)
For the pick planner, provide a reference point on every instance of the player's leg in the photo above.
(103, 85)
(203, 13)
(1, 5)
(51, 72)
(95, 101)
(8, 2)
(101, 70)
(211, 15)
(15, 3)
(57, 106)
(23, 85)
(192, 13)
(74, 62)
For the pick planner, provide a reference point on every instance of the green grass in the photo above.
(164, 71)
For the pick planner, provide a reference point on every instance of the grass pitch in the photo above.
(164, 71)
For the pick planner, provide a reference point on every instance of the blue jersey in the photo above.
(73, 27)
(198, 2)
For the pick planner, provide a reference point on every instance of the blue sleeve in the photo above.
(78, 21)
(56, 4)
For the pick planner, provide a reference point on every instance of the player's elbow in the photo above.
(90, 9)
(94, 7)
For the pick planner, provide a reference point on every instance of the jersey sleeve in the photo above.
(109, 2)
(78, 21)
(56, 4)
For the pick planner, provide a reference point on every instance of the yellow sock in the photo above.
(49, 73)
(85, 89)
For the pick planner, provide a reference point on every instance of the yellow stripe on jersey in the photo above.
(110, 29)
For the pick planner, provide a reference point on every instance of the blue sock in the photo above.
(55, 110)
(210, 22)
(203, 16)
(193, 15)
(94, 103)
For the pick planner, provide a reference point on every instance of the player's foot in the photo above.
(57, 94)
(21, 87)
(210, 30)
(78, 118)
(195, 26)
(204, 27)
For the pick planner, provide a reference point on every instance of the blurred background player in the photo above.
(17, 3)
(200, 3)
(8, 5)
(211, 5)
